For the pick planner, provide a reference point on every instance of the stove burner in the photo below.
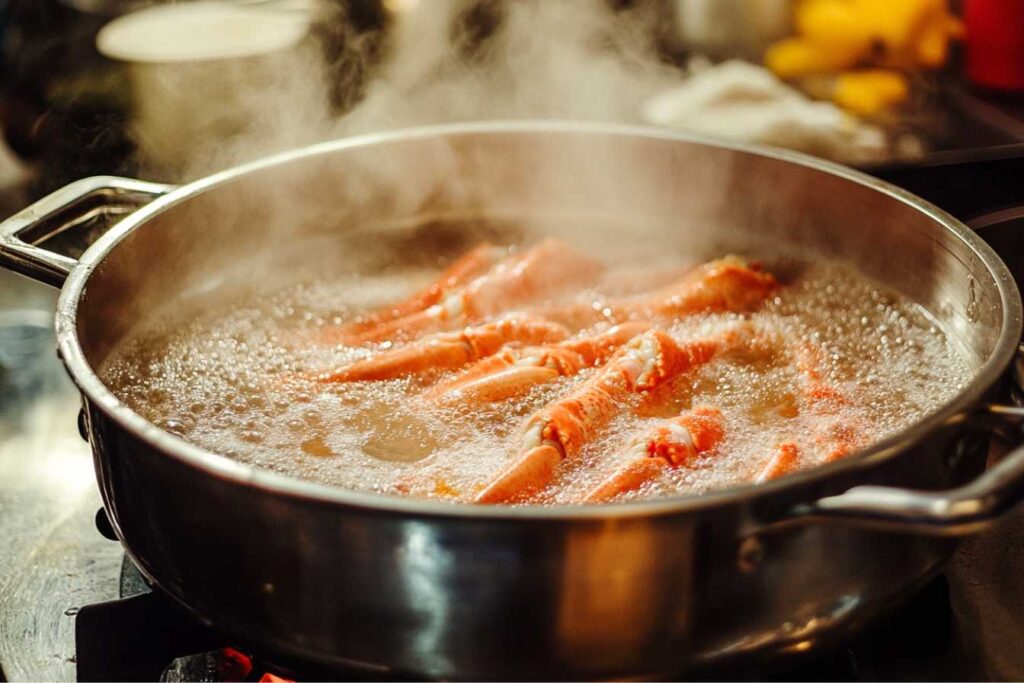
(144, 636)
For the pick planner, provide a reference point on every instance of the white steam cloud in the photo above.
(571, 59)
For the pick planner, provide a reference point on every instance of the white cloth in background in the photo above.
(741, 101)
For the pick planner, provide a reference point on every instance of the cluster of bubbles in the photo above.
(239, 379)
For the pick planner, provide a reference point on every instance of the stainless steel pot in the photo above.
(460, 591)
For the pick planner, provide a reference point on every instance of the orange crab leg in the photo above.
(448, 350)
(839, 437)
(515, 370)
(727, 284)
(563, 427)
(676, 443)
(817, 390)
(470, 265)
(546, 269)
(598, 348)
(784, 461)
(501, 385)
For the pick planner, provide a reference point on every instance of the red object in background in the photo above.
(234, 665)
(995, 43)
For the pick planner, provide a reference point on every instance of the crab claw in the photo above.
(675, 443)
(448, 350)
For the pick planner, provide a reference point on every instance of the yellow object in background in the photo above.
(796, 57)
(837, 35)
(870, 92)
(834, 26)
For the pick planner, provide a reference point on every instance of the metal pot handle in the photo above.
(74, 205)
(953, 512)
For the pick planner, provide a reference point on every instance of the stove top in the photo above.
(52, 559)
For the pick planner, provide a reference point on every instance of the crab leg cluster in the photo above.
(544, 271)
(448, 350)
(498, 323)
(561, 429)
(515, 369)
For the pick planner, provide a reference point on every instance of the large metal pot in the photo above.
(432, 589)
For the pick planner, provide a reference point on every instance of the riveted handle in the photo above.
(81, 203)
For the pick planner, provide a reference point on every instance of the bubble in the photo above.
(252, 436)
(175, 425)
(317, 447)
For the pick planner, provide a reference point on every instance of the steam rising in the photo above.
(440, 61)
(627, 201)
(578, 60)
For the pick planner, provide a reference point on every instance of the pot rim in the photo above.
(268, 481)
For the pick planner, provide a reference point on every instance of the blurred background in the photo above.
(173, 91)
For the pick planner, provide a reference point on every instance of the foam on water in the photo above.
(237, 379)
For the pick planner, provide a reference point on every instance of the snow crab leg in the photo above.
(546, 269)
(675, 443)
(467, 267)
(836, 435)
(448, 350)
(561, 429)
(726, 284)
(513, 371)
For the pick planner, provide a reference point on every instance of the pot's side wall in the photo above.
(626, 199)
(435, 596)
(464, 598)
(787, 589)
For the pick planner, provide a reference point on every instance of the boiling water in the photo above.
(237, 380)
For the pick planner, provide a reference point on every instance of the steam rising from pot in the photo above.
(576, 60)
(439, 61)
(427, 62)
